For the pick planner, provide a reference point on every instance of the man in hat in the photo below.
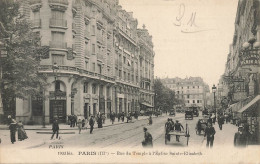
(148, 139)
(177, 127)
(240, 138)
(210, 132)
(55, 128)
(91, 123)
(168, 127)
(13, 128)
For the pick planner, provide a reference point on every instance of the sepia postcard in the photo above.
(129, 81)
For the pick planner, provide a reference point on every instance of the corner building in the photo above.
(105, 63)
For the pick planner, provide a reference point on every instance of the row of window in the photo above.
(189, 96)
(188, 87)
(94, 89)
(194, 101)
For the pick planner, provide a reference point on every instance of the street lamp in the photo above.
(249, 59)
(55, 68)
(214, 89)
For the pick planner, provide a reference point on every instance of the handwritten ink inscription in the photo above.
(189, 25)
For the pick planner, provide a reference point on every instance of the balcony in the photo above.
(62, 2)
(87, 53)
(36, 23)
(74, 28)
(99, 37)
(99, 56)
(87, 35)
(59, 23)
(145, 79)
(74, 48)
(120, 63)
(34, 2)
(109, 45)
(58, 45)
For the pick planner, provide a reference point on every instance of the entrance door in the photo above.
(86, 114)
(108, 109)
(94, 109)
(120, 105)
(58, 110)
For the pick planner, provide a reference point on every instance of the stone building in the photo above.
(241, 77)
(192, 90)
(102, 59)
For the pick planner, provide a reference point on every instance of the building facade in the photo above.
(102, 59)
(240, 81)
(192, 90)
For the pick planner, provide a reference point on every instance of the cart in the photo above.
(178, 133)
(203, 122)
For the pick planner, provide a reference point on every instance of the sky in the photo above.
(191, 37)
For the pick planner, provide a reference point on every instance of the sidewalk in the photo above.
(224, 137)
(39, 136)
(67, 127)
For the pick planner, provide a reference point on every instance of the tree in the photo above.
(164, 97)
(19, 68)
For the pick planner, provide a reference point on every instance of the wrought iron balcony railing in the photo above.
(36, 23)
(33, 2)
(58, 23)
(63, 2)
(56, 44)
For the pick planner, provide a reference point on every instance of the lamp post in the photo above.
(214, 89)
(249, 59)
(55, 68)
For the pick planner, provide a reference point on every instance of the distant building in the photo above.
(192, 90)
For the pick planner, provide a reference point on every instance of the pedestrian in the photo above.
(103, 116)
(13, 127)
(168, 127)
(99, 121)
(136, 115)
(177, 127)
(172, 124)
(150, 120)
(73, 121)
(213, 119)
(69, 120)
(91, 124)
(123, 117)
(129, 117)
(210, 119)
(118, 116)
(21, 132)
(80, 125)
(240, 138)
(210, 132)
(199, 126)
(148, 139)
(220, 121)
(55, 128)
(112, 117)
(83, 123)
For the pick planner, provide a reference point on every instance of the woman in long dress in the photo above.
(21, 132)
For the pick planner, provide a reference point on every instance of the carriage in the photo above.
(201, 125)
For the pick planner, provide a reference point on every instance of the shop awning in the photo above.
(230, 107)
(257, 98)
(148, 105)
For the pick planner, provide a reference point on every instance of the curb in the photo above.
(59, 132)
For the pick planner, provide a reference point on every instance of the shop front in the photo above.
(249, 116)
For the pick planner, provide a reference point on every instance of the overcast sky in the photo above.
(191, 37)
